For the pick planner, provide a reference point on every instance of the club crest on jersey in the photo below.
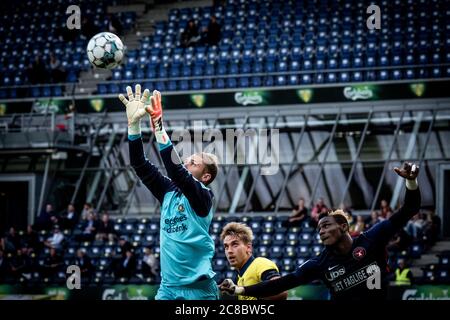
(180, 208)
(359, 253)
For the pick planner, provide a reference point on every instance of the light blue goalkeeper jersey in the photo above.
(186, 247)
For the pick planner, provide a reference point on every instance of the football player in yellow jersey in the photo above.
(237, 241)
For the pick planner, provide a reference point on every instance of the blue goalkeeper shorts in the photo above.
(200, 290)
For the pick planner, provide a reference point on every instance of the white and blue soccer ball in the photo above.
(105, 50)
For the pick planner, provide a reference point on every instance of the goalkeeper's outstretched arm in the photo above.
(146, 171)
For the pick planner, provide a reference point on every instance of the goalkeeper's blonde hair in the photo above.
(211, 164)
(239, 230)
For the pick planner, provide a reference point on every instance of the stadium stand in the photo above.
(287, 247)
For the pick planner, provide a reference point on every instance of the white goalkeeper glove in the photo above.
(228, 287)
(135, 106)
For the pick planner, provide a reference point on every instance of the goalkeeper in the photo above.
(186, 204)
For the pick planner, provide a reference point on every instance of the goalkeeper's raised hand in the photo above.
(155, 111)
(135, 106)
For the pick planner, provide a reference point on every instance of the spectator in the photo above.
(37, 71)
(127, 266)
(70, 218)
(319, 208)
(415, 226)
(52, 264)
(124, 245)
(88, 28)
(403, 275)
(89, 228)
(4, 266)
(212, 33)
(358, 227)
(87, 208)
(373, 219)
(56, 240)
(150, 264)
(106, 229)
(44, 221)
(85, 264)
(21, 264)
(57, 71)
(13, 242)
(190, 36)
(433, 229)
(299, 214)
(31, 240)
(114, 25)
(401, 241)
(386, 210)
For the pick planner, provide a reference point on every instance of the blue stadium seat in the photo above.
(102, 89)
(396, 75)
(35, 92)
(219, 83)
(57, 91)
(186, 71)
(172, 86)
(256, 81)
(207, 84)
(244, 82)
(281, 80)
(303, 251)
(184, 85)
(113, 88)
(210, 69)
(306, 79)
(196, 84)
(357, 76)
(330, 77)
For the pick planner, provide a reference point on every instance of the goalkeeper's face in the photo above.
(236, 251)
(194, 164)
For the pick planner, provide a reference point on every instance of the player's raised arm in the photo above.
(384, 231)
(198, 195)
(146, 171)
(304, 274)
(411, 204)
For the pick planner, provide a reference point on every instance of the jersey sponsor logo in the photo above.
(359, 276)
(359, 253)
(175, 224)
(336, 273)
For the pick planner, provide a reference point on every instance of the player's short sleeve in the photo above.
(266, 269)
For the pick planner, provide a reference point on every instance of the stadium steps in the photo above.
(160, 12)
(89, 79)
(430, 257)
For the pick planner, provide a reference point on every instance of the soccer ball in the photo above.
(105, 50)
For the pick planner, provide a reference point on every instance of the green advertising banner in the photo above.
(309, 292)
(88, 292)
(420, 292)
(148, 292)
(247, 97)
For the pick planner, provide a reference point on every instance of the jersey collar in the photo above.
(246, 265)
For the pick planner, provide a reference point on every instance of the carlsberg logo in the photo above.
(355, 93)
(246, 98)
